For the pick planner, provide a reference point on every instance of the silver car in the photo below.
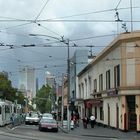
(32, 118)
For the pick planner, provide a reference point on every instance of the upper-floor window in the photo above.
(82, 92)
(117, 76)
(86, 87)
(100, 82)
(79, 91)
(108, 79)
(89, 80)
(95, 85)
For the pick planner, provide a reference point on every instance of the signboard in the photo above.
(112, 92)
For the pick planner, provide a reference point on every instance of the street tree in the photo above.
(43, 99)
(7, 92)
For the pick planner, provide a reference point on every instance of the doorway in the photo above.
(132, 118)
(108, 115)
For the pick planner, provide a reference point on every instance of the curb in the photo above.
(63, 130)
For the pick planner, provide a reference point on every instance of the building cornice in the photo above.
(122, 38)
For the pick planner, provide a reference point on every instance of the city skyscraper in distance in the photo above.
(27, 81)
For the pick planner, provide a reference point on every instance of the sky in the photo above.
(31, 30)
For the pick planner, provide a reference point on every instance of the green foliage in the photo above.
(7, 92)
(43, 99)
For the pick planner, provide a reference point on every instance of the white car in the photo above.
(32, 118)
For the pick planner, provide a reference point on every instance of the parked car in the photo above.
(48, 124)
(47, 115)
(32, 118)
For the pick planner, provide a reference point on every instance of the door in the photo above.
(131, 112)
(108, 115)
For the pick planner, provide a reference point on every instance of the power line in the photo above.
(88, 13)
(84, 20)
(41, 10)
(118, 5)
(48, 29)
(15, 26)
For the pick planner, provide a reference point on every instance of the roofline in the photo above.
(115, 42)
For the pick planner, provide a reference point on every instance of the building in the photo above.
(77, 63)
(49, 79)
(110, 84)
(27, 81)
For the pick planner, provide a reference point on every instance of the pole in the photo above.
(68, 99)
(131, 15)
(62, 107)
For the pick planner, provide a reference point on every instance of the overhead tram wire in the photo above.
(78, 39)
(84, 20)
(53, 19)
(118, 5)
(41, 10)
(40, 25)
(89, 13)
(15, 26)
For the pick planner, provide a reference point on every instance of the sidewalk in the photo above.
(104, 132)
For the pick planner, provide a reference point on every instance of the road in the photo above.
(31, 132)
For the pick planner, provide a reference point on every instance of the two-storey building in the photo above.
(110, 84)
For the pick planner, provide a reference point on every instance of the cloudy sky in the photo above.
(83, 22)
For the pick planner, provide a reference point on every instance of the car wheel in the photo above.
(40, 129)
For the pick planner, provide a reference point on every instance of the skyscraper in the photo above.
(49, 79)
(27, 81)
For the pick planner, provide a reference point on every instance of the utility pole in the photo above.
(68, 111)
(62, 102)
(131, 15)
(68, 73)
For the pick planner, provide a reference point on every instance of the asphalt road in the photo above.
(31, 132)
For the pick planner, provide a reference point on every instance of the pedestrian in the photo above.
(92, 121)
(85, 122)
(75, 120)
(13, 119)
(72, 124)
(78, 117)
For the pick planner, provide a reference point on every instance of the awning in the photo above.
(88, 104)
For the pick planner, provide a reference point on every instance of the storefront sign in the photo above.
(112, 92)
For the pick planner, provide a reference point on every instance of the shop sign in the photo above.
(112, 92)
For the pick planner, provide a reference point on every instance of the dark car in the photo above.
(48, 124)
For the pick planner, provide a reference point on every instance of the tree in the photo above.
(43, 99)
(8, 92)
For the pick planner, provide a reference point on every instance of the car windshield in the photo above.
(47, 115)
(32, 115)
(48, 120)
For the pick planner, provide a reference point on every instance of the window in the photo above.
(100, 82)
(7, 109)
(0, 109)
(79, 91)
(89, 79)
(101, 113)
(117, 76)
(95, 85)
(96, 112)
(85, 87)
(108, 79)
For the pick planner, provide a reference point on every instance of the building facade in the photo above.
(27, 81)
(77, 63)
(110, 84)
(49, 79)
